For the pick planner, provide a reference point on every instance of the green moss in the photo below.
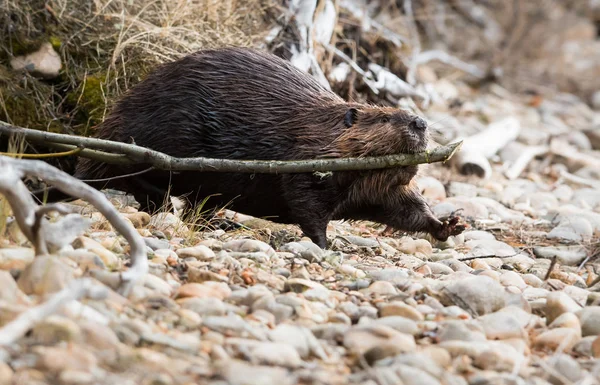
(88, 100)
(55, 41)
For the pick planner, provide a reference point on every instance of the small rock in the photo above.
(98, 336)
(393, 275)
(566, 320)
(300, 285)
(568, 368)
(401, 324)
(199, 252)
(6, 374)
(10, 290)
(55, 329)
(44, 62)
(590, 320)
(156, 244)
(573, 229)
(249, 246)
(204, 306)
(85, 259)
(478, 295)
(138, 219)
(565, 338)
(502, 325)
(75, 377)
(431, 188)
(237, 372)
(381, 288)
(490, 247)
(397, 308)
(566, 255)
(362, 338)
(45, 275)
(71, 357)
(276, 354)
(204, 290)
(452, 330)
(584, 347)
(510, 278)
(557, 303)
(16, 257)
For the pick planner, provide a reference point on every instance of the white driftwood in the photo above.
(561, 147)
(523, 160)
(391, 83)
(26, 210)
(478, 148)
(579, 180)
(367, 78)
(304, 57)
(357, 10)
(81, 288)
(444, 57)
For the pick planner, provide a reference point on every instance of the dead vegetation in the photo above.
(106, 46)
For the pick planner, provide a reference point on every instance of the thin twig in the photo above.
(132, 154)
(551, 267)
(488, 256)
(74, 151)
(24, 208)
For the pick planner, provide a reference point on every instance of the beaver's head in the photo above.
(374, 131)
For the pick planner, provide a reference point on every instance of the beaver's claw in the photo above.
(450, 227)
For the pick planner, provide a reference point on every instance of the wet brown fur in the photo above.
(239, 103)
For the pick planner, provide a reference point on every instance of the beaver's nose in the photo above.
(418, 124)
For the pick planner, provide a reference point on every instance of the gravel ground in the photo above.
(513, 300)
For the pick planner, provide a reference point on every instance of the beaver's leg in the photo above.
(309, 204)
(150, 197)
(414, 214)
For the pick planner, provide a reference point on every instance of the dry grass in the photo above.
(107, 46)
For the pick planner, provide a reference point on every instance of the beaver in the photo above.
(242, 103)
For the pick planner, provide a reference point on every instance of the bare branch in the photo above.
(25, 209)
(132, 154)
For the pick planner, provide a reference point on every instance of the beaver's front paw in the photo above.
(449, 227)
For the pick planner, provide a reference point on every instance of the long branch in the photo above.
(124, 153)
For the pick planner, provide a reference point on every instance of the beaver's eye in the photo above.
(386, 119)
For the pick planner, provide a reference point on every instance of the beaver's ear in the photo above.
(350, 117)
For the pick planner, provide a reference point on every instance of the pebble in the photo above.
(249, 246)
(565, 338)
(393, 275)
(452, 330)
(15, 257)
(204, 306)
(237, 372)
(72, 357)
(204, 290)
(477, 294)
(45, 275)
(557, 303)
(397, 308)
(431, 188)
(502, 325)
(381, 288)
(573, 229)
(566, 320)
(156, 244)
(590, 320)
(361, 338)
(398, 323)
(55, 329)
(45, 62)
(199, 252)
